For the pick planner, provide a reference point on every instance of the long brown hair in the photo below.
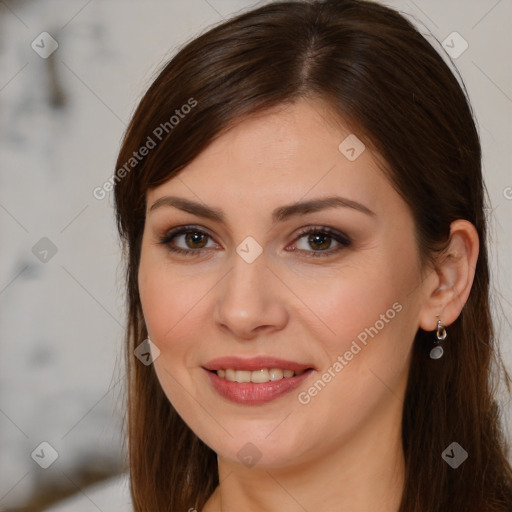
(388, 83)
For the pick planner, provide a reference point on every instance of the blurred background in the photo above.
(71, 73)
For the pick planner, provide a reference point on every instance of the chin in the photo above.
(255, 452)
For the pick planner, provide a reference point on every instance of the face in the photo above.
(332, 289)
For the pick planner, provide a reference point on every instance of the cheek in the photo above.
(168, 297)
(169, 312)
(342, 306)
(153, 296)
(363, 326)
(365, 337)
(175, 304)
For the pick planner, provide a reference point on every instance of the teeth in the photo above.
(258, 376)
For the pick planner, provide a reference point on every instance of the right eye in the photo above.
(193, 238)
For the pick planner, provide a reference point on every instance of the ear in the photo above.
(447, 288)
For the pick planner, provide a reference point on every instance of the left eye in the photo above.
(321, 238)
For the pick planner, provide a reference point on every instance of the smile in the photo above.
(258, 376)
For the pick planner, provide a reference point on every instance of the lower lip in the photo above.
(252, 393)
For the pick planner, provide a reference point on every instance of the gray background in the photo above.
(61, 122)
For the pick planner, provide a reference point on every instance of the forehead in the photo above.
(289, 153)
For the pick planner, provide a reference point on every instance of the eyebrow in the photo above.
(278, 215)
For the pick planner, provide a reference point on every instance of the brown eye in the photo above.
(320, 239)
(194, 240)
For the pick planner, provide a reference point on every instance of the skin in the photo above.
(342, 450)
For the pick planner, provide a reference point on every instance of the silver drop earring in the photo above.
(437, 352)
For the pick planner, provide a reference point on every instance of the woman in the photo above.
(301, 201)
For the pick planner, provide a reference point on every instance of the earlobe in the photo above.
(455, 269)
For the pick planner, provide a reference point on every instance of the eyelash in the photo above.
(342, 239)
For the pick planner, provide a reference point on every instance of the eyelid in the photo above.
(322, 229)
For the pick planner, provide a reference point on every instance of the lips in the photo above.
(255, 363)
(254, 393)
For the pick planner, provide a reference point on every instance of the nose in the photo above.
(250, 300)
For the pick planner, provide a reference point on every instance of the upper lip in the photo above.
(254, 363)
